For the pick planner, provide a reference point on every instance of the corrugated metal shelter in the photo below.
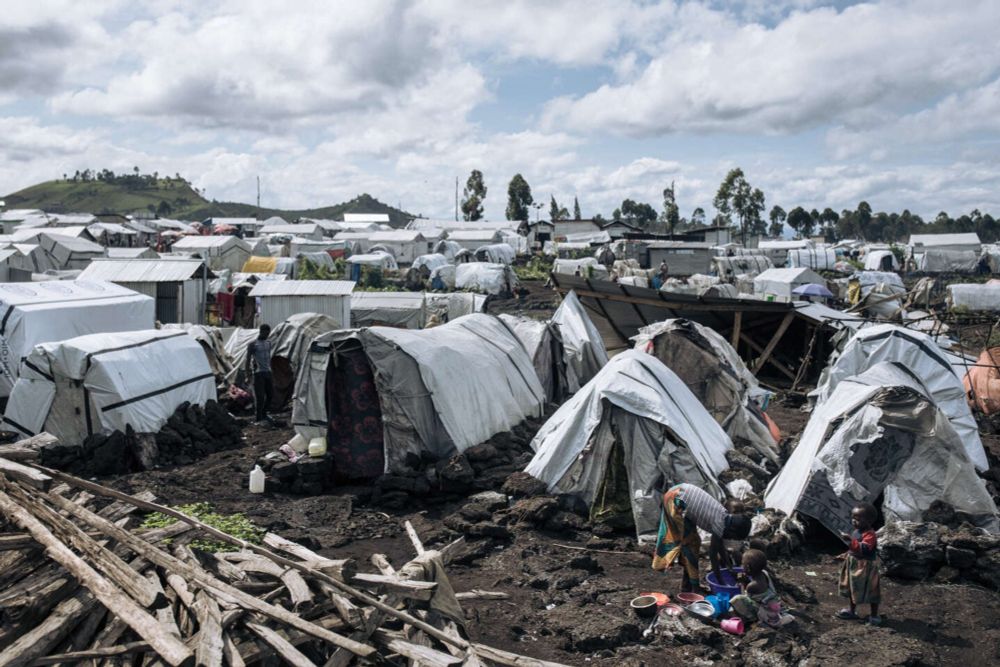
(279, 300)
(221, 252)
(178, 285)
(303, 230)
(66, 253)
(133, 253)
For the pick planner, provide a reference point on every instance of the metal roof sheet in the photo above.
(303, 288)
(143, 270)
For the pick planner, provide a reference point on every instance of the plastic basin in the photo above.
(728, 584)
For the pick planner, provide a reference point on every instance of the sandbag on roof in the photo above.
(712, 370)
(585, 351)
(439, 390)
(663, 434)
(880, 433)
(923, 358)
(107, 382)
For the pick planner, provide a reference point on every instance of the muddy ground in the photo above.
(569, 588)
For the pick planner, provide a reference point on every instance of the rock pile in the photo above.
(192, 432)
(484, 467)
(920, 550)
(308, 476)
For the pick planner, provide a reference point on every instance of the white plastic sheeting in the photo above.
(880, 433)
(497, 253)
(881, 260)
(923, 359)
(588, 267)
(107, 382)
(379, 259)
(441, 390)
(485, 277)
(812, 258)
(431, 261)
(974, 297)
(940, 260)
(33, 313)
(781, 282)
(709, 365)
(585, 354)
(640, 405)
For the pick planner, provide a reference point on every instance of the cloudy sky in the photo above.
(822, 104)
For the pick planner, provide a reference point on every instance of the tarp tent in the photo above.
(630, 433)
(386, 397)
(66, 253)
(974, 297)
(881, 260)
(923, 359)
(585, 354)
(817, 259)
(212, 344)
(588, 267)
(880, 435)
(780, 283)
(716, 375)
(34, 313)
(496, 253)
(291, 340)
(485, 278)
(542, 341)
(106, 382)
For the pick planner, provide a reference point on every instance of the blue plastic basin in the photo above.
(728, 584)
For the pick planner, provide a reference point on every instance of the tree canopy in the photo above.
(473, 196)
(518, 198)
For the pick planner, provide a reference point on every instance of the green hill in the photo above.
(172, 198)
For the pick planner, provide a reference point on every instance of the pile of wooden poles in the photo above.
(81, 582)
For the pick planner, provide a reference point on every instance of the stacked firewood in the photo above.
(82, 582)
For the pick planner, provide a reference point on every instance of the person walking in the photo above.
(259, 360)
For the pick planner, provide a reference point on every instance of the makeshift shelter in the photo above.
(448, 249)
(632, 432)
(179, 286)
(727, 268)
(936, 253)
(66, 253)
(212, 343)
(817, 259)
(779, 283)
(278, 300)
(715, 374)
(485, 278)
(385, 398)
(406, 310)
(923, 359)
(304, 230)
(377, 259)
(291, 340)
(143, 252)
(777, 251)
(881, 260)
(404, 245)
(974, 297)
(584, 351)
(588, 267)
(496, 253)
(101, 383)
(541, 340)
(269, 265)
(36, 313)
(880, 435)
(359, 241)
(470, 239)
(221, 252)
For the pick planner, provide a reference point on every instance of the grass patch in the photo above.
(236, 525)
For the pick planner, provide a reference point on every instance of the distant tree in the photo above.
(736, 197)
(473, 196)
(777, 217)
(616, 215)
(800, 220)
(641, 214)
(599, 220)
(554, 210)
(698, 216)
(671, 214)
(518, 198)
(163, 210)
(576, 209)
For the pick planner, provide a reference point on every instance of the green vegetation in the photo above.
(537, 268)
(106, 193)
(236, 525)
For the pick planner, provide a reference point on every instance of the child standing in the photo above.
(859, 579)
(759, 600)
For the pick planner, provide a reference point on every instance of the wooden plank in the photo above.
(27, 449)
(774, 362)
(766, 354)
(26, 475)
(411, 532)
(170, 648)
(41, 639)
(737, 328)
(209, 648)
(414, 590)
(422, 655)
(509, 659)
(93, 654)
(282, 646)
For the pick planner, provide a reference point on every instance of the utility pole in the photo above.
(456, 199)
(258, 196)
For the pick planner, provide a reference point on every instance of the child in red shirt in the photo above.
(859, 578)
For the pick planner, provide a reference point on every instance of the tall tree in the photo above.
(557, 212)
(777, 217)
(640, 213)
(698, 217)
(518, 198)
(863, 218)
(737, 197)
(800, 220)
(473, 196)
(576, 209)
(671, 214)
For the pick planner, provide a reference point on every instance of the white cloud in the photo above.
(714, 73)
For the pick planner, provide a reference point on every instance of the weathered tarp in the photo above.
(485, 277)
(923, 359)
(106, 382)
(716, 375)
(584, 350)
(440, 390)
(880, 433)
(541, 340)
(974, 297)
(663, 434)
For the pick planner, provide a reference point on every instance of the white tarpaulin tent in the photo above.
(485, 278)
(974, 297)
(923, 359)
(881, 260)
(880, 434)
(811, 258)
(107, 382)
(714, 372)
(33, 313)
(662, 434)
(585, 354)
(781, 282)
(496, 253)
(438, 390)
(541, 340)
(588, 267)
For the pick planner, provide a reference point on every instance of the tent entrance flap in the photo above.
(354, 427)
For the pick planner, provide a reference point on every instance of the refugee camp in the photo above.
(422, 333)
